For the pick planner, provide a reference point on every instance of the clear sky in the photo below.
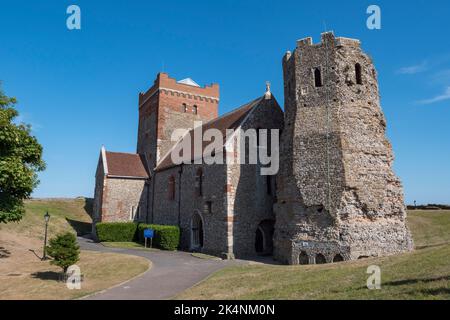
(79, 89)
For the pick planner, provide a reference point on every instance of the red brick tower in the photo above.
(169, 105)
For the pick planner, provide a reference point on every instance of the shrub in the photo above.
(166, 237)
(64, 250)
(116, 231)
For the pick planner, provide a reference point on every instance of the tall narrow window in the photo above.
(258, 138)
(269, 185)
(171, 188)
(135, 213)
(199, 182)
(195, 109)
(184, 107)
(317, 77)
(358, 73)
(132, 213)
(208, 207)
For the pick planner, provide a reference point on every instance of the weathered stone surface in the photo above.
(337, 193)
(336, 196)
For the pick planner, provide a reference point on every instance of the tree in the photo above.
(20, 160)
(64, 250)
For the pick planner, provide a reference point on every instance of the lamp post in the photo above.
(46, 218)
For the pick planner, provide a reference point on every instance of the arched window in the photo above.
(184, 107)
(320, 259)
(197, 235)
(195, 109)
(171, 188)
(317, 77)
(303, 258)
(358, 73)
(199, 182)
(208, 207)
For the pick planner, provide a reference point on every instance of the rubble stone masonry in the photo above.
(338, 197)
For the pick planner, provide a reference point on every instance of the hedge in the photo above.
(166, 237)
(116, 231)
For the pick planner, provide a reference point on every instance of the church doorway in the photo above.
(197, 233)
(264, 238)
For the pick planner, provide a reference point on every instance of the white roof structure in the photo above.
(189, 82)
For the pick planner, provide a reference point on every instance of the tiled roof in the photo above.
(231, 120)
(126, 165)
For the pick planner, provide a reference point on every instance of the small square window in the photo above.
(208, 207)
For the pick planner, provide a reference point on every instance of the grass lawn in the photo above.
(65, 215)
(24, 276)
(422, 274)
(36, 279)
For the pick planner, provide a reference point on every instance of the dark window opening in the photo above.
(195, 109)
(172, 188)
(264, 238)
(338, 258)
(358, 73)
(317, 77)
(197, 232)
(184, 107)
(208, 207)
(199, 182)
(303, 258)
(259, 241)
(320, 259)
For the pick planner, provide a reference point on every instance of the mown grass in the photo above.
(24, 276)
(429, 228)
(422, 274)
(38, 280)
(65, 215)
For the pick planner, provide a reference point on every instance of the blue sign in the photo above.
(149, 233)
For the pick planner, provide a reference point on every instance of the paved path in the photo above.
(171, 273)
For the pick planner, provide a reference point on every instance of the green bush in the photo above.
(116, 231)
(64, 250)
(166, 237)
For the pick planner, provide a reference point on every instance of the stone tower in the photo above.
(169, 105)
(338, 198)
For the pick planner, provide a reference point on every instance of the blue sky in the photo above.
(79, 89)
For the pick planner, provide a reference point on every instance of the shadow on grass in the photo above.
(47, 275)
(432, 245)
(34, 252)
(4, 253)
(80, 227)
(89, 206)
(414, 281)
(436, 291)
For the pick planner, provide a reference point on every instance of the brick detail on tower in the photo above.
(170, 105)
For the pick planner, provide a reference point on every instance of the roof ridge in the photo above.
(252, 104)
(118, 152)
(231, 112)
